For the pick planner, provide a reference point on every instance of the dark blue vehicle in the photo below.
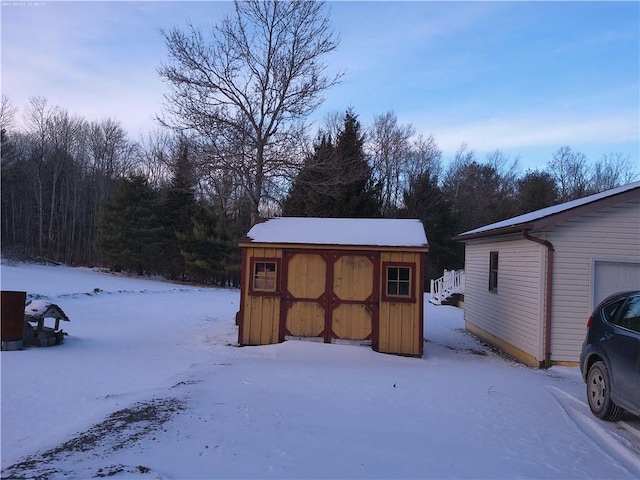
(610, 357)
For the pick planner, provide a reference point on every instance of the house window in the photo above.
(399, 281)
(493, 271)
(264, 276)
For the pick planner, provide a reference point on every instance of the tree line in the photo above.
(233, 147)
(83, 193)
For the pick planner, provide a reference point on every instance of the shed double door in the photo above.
(330, 295)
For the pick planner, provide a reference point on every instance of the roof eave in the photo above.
(328, 246)
(497, 232)
(548, 222)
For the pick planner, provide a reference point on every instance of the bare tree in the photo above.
(112, 154)
(453, 182)
(612, 171)
(155, 156)
(389, 147)
(7, 114)
(508, 168)
(247, 89)
(63, 135)
(12, 178)
(480, 193)
(425, 157)
(332, 124)
(508, 171)
(571, 173)
(37, 118)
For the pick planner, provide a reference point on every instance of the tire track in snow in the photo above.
(622, 449)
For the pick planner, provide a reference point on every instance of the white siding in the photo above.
(515, 313)
(612, 234)
(512, 313)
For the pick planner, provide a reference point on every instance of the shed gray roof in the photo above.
(546, 217)
(383, 232)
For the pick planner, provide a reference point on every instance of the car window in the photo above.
(609, 311)
(630, 315)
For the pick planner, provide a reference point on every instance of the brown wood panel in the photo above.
(352, 322)
(305, 319)
(401, 322)
(400, 331)
(353, 277)
(304, 302)
(340, 287)
(259, 311)
(260, 320)
(306, 276)
(353, 289)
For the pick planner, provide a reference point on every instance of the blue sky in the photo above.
(522, 77)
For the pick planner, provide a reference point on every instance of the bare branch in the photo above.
(247, 89)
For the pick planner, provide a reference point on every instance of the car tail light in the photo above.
(589, 322)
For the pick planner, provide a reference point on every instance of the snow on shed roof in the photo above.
(549, 211)
(384, 232)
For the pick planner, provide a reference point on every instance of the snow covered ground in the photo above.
(149, 384)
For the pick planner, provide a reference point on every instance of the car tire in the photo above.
(599, 393)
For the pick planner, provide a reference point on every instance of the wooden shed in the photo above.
(334, 280)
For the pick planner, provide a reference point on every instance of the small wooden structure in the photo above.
(23, 324)
(39, 334)
(12, 319)
(334, 280)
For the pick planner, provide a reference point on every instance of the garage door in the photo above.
(612, 277)
(330, 296)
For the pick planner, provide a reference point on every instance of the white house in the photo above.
(533, 280)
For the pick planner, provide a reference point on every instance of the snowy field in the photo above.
(149, 384)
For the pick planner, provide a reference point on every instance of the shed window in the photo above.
(399, 281)
(493, 272)
(264, 276)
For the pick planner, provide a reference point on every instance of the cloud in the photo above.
(468, 72)
(94, 59)
(522, 132)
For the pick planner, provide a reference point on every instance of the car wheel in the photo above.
(599, 393)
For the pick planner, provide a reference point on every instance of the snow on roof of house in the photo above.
(549, 211)
(384, 232)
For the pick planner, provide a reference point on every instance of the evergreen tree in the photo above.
(424, 200)
(211, 253)
(536, 190)
(179, 211)
(336, 180)
(475, 193)
(131, 234)
(310, 194)
(356, 196)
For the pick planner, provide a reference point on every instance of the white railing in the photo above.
(448, 284)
